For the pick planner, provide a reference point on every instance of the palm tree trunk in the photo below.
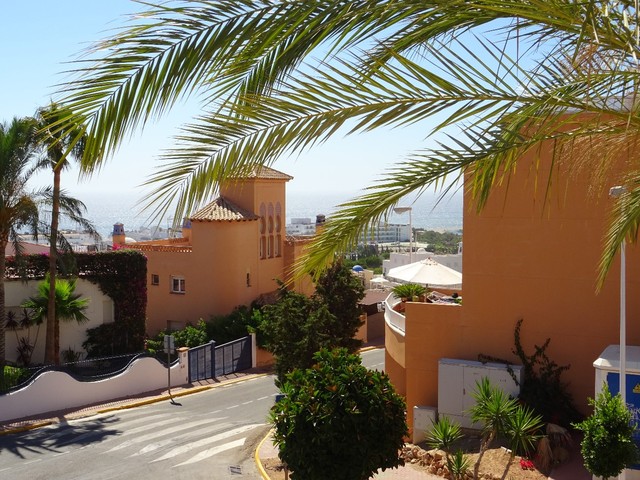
(52, 350)
(512, 455)
(3, 360)
(483, 448)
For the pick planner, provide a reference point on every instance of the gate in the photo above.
(202, 362)
(233, 356)
(211, 361)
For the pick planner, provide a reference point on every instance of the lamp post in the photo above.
(401, 210)
(616, 192)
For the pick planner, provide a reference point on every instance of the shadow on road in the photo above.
(54, 438)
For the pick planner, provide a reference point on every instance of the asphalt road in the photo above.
(212, 435)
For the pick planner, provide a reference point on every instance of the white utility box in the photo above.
(423, 420)
(457, 381)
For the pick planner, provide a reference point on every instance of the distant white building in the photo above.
(387, 233)
(301, 226)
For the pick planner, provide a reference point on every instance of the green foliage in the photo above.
(121, 275)
(608, 447)
(294, 329)
(12, 377)
(191, 336)
(409, 290)
(444, 433)
(68, 304)
(297, 326)
(341, 292)
(541, 385)
(338, 420)
(439, 242)
(239, 323)
(501, 415)
(443, 436)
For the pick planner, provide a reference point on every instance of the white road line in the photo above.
(263, 398)
(213, 451)
(161, 433)
(232, 406)
(163, 443)
(207, 441)
(247, 403)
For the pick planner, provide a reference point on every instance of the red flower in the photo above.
(526, 464)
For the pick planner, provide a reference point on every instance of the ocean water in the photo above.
(105, 210)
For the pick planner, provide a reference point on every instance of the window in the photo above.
(177, 285)
(155, 279)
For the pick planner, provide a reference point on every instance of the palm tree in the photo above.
(68, 304)
(492, 78)
(17, 206)
(58, 145)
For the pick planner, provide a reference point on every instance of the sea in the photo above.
(427, 211)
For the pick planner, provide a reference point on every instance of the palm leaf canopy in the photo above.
(276, 78)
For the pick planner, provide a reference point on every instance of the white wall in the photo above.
(72, 334)
(54, 391)
(453, 261)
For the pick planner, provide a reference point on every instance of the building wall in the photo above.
(226, 266)
(530, 254)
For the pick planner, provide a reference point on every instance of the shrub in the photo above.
(608, 447)
(338, 420)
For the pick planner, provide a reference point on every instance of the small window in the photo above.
(177, 285)
(155, 279)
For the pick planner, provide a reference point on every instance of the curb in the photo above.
(261, 469)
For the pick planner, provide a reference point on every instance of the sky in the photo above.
(40, 37)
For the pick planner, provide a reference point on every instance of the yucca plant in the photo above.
(523, 430)
(493, 409)
(443, 435)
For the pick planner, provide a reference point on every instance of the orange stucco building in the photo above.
(530, 254)
(231, 251)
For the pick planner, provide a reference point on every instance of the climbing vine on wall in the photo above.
(119, 274)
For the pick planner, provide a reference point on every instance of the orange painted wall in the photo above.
(215, 271)
(524, 258)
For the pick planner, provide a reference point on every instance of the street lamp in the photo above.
(616, 192)
(401, 210)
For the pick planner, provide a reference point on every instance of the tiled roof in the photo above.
(267, 173)
(222, 209)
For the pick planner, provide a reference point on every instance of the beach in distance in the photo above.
(104, 210)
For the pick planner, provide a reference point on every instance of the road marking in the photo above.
(247, 403)
(232, 406)
(207, 441)
(163, 443)
(161, 433)
(213, 451)
(263, 398)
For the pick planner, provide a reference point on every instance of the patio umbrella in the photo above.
(427, 272)
(357, 268)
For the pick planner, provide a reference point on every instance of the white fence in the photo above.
(54, 391)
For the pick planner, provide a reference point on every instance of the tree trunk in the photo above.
(52, 349)
(483, 448)
(3, 359)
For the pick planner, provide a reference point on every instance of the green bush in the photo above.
(12, 376)
(338, 420)
(608, 447)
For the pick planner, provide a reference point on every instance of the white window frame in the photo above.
(179, 282)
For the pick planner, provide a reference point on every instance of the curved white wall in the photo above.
(53, 391)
